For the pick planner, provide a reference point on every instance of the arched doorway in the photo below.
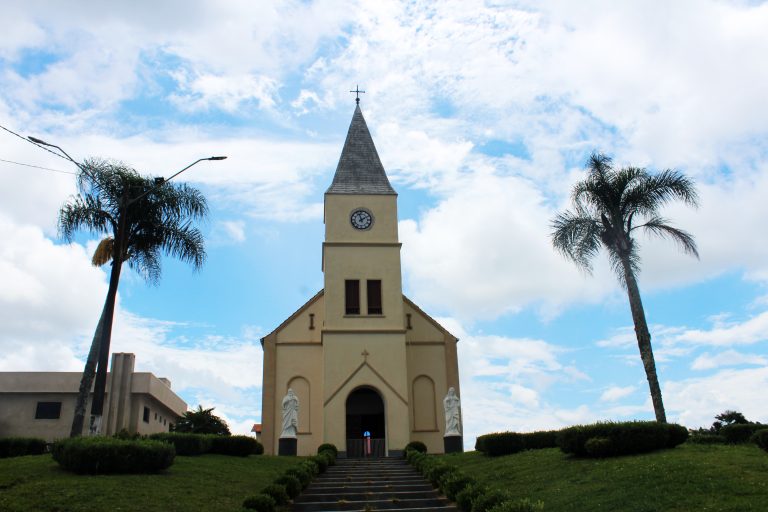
(365, 413)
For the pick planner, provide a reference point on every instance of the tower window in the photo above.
(146, 415)
(48, 411)
(374, 297)
(352, 296)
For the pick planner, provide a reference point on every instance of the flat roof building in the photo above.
(42, 404)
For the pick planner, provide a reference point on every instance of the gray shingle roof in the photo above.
(359, 170)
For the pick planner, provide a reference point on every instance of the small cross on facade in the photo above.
(365, 354)
(357, 92)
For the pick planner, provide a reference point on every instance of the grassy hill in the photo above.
(685, 479)
(203, 483)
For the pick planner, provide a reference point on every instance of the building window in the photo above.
(48, 411)
(146, 415)
(374, 297)
(352, 296)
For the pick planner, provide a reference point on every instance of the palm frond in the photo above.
(577, 237)
(659, 226)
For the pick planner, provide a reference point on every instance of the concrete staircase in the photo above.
(375, 484)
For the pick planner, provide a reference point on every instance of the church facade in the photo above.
(369, 368)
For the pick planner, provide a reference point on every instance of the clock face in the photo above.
(361, 219)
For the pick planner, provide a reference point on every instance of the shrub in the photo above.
(707, 439)
(311, 466)
(19, 446)
(412, 456)
(292, 485)
(522, 505)
(540, 439)
(489, 499)
(303, 474)
(417, 446)
(452, 486)
(328, 447)
(239, 446)
(329, 456)
(501, 443)
(277, 492)
(480, 443)
(598, 447)
(260, 503)
(452, 472)
(467, 496)
(624, 438)
(108, 455)
(761, 439)
(435, 472)
(185, 444)
(737, 433)
(321, 461)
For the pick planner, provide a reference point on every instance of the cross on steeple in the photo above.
(365, 354)
(357, 92)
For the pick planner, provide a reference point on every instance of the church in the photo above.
(368, 367)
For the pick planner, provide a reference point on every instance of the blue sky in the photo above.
(483, 114)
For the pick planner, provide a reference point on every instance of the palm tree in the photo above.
(608, 207)
(141, 218)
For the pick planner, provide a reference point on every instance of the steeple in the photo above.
(360, 170)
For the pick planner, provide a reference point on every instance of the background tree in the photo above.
(202, 421)
(142, 218)
(609, 205)
(726, 418)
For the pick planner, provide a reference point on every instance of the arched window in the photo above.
(424, 412)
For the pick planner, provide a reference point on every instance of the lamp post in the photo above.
(105, 323)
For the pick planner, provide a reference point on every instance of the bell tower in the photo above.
(361, 252)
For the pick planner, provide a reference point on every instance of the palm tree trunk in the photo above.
(118, 251)
(643, 340)
(87, 380)
(97, 406)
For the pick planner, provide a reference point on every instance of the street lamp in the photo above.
(120, 239)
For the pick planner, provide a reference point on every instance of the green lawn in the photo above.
(205, 483)
(687, 478)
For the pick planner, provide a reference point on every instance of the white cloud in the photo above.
(231, 230)
(694, 402)
(709, 361)
(615, 393)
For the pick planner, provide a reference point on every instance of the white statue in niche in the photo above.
(290, 414)
(452, 407)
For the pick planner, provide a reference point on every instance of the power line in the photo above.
(34, 143)
(38, 167)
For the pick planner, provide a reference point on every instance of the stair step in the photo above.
(397, 504)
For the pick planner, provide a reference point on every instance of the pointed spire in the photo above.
(359, 170)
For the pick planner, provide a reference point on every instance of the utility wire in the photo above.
(34, 143)
(38, 167)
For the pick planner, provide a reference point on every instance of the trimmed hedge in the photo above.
(328, 447)
(260, 503)
(105, 455)
(761, 439)
(453, 483)
(506, 443)
(468, 495)
(277, 492)
(292, 485)
(738, 433)
(303, 474)
(613, 439)
(186, 444)
(238, 446)
(488, 500)
(20, 446)
(417, 446)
